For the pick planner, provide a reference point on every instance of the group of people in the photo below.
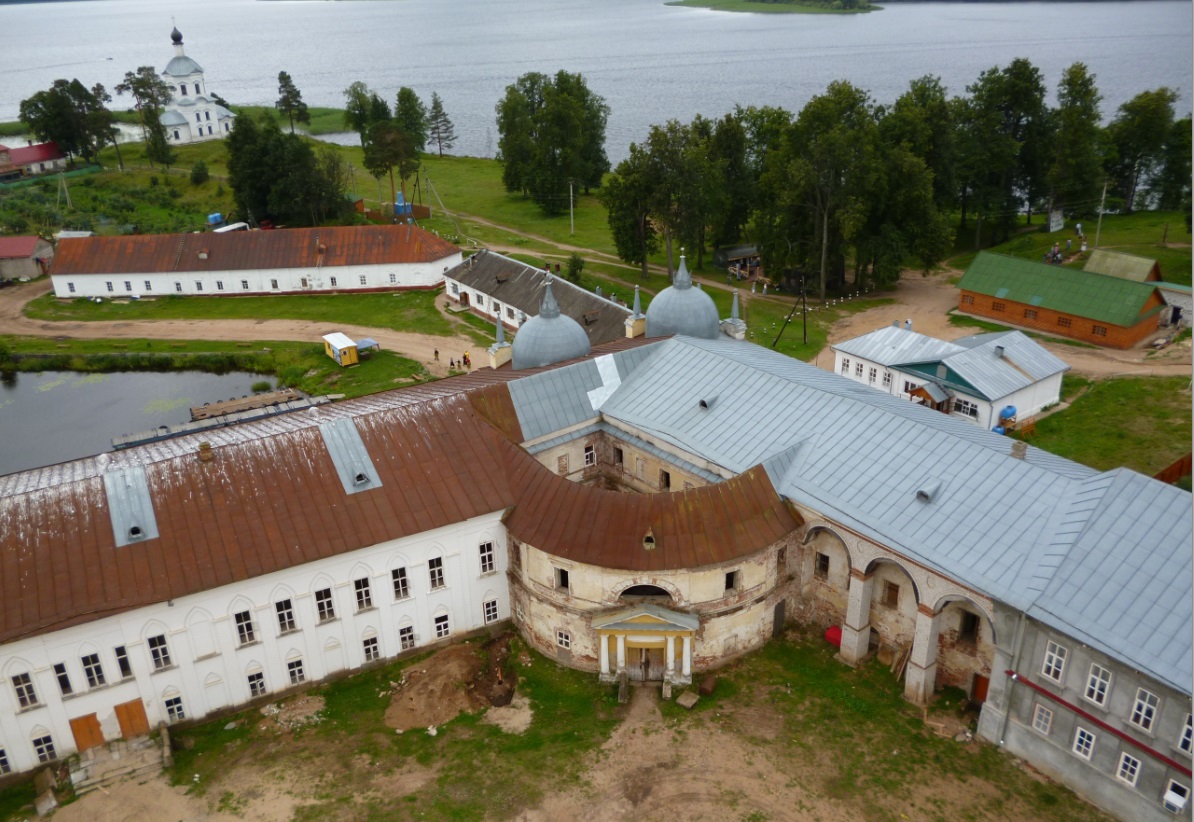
(1055, 256)
(465, 361)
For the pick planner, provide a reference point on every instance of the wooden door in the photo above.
(978, 691)
(777, 622)
(132, 719)
(87, 732)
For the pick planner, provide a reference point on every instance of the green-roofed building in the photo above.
(1125, 266)
(1095, 308)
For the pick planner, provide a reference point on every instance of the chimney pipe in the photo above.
(1019, 449)
(999, 351)
(907, 325)
(205, 452)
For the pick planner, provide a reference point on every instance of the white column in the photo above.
(603, 647)
(921, 679)
(856, 630)
(687, 665)
(671, 656)
(621, 653)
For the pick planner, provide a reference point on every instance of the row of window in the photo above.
(1127, 769)
(479, 300)
(1145, 707)
(244, 284)
(1031, 314)
(93, 671)
(872, 374)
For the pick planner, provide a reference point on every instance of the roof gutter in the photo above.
(1177, 766)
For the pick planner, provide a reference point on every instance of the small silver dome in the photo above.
(550, 337)
(682, 309)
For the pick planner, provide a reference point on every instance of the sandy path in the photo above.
(419, 347)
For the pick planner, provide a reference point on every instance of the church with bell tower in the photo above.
(191, 115)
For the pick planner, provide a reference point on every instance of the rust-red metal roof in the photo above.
(248, 250)
(271, 499)
(17, 247)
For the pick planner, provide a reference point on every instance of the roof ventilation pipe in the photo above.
(928, 492)
(907, 325)
(1019, 449)
(999, 351)
(895, 323)
(706, 404)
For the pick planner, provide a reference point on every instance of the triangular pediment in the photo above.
(646, 617)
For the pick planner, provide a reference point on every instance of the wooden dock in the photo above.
(249, 403)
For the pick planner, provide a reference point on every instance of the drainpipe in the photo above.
(1017, 645)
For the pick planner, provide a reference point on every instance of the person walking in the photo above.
(437, 355)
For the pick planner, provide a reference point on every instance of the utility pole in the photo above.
(1099, 227)
(571, 217)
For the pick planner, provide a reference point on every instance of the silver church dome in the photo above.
(682, 309)
(550, 337)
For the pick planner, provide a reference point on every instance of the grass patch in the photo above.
(16, 800)
(304, 366)
(401, 311)
(323, 120)
(1142, 423)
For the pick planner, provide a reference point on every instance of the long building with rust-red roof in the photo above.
(282, 261)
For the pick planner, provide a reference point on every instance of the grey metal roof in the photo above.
(517, 284)
(350, 456)
(1023, 363)
(549, 337)
(890, 345)
(682, 309)
(129, 505)
(171, 117)
(182, 66)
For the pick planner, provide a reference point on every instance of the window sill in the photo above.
(492, 573)
(212, 655)
(34, 707)
(366, 609)
(328, 621)
(403, 599)
(248, 644)
(436, 590)
(163, 669)
(289, 632)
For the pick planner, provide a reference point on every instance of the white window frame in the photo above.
(1128, 769)
(1145, 710)
(1084, 742)
(1098, 685)
(488, 560)
(443, 626)
(1184, 740)
(148, 285)
(401, 583)
(489, 609)
(564, 640)
(5, 767)
(364, 593)
(256, 682)
(44, 746)
(295, 668)
(245, 631)
(178, 287)
(70, 287)
(372, 649)
(590, 456)
(244, 285)
(93, 670)
(284, 608)
(1042, 719)
(858, 369)
(64, 685)
(887, 379)
(159, 652)
(364, 280)
(1053, 666)
(174, 709)
(406, 637)
(325, 605)
(393, 279)
(872, 374)
(435, 573)
(845, 366)
(965, 407)
(1180, 798)
(123, 662)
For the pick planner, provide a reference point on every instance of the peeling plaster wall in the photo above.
(896, 626)
(958, 662)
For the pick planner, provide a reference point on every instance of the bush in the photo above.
(576, 264)
(261, 387)
(199, 174)
(153, 181)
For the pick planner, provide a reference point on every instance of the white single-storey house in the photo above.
(974, 378)
(284, 261)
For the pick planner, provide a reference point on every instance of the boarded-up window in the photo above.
(562, 465)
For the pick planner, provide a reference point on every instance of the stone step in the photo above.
(109, 777)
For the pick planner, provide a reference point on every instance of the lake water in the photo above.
(52, 417)
(650, 61)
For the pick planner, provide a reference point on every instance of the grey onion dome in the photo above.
(682, 309)
(550, 337)
(176, 36)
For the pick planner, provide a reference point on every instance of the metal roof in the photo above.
(247, 250)
(682, 309)
(14, 248)
(992, 375)
(892, 344)
(549, 337)
(520, 286)
(1118, 264)
(1065, 290)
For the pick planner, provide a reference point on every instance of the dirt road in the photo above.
(419, 347)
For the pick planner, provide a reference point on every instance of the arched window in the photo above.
(637, 591)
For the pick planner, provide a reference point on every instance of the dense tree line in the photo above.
(551, 138)
(279, 174)
(847, 183)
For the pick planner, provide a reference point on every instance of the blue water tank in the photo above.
(215, 219)
(1008, 412)
(998, 429)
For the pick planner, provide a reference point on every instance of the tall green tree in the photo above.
(411, 116)
(149, 92)
(685, 180)
(728, 151)
(389, 145)
(290, 101)
(924, 120)
(440, 128)
(363, 108)
(1076, 171)
(72, 116)
(102, 124)
(1172, 183)
(551, 134)
(1139, 133)
(157, 144)
(627, 197)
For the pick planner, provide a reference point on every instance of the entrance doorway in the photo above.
(132, 719)
(87, 732)
(645, 665)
